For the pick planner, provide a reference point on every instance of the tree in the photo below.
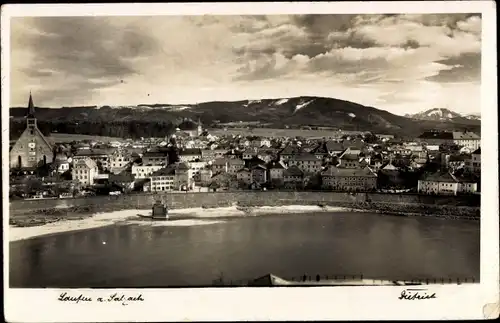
(33, 185)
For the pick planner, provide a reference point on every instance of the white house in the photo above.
(439, 184)
(84, 171)
(145, 171)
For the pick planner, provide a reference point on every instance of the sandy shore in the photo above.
(178, 217)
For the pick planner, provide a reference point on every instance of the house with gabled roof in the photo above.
(293, 177)
(349, 179)
(190, 154)
(334, 148)
(259, 174)
(276, 170)
(244, 177)
(438, 183)
(349, 160)
(307, 162)
(473, 164)
(163, 179)
(290, 150)
(84, 171)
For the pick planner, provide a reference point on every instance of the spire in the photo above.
(31, 108)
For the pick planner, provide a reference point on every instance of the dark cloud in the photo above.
(324, 24)
(90, 47)
(466, 68)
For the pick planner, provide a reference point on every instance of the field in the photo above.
(269, 132)
(69, 137)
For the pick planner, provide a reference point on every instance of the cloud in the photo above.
(378, 60)
(466, 68)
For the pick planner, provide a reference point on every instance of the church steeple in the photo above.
(31, 108)
(30, 117)
(200, 127)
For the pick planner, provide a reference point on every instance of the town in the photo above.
(195, 160)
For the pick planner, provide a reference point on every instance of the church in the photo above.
(32, 149)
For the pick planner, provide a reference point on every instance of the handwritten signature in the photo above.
(416, 294)
(124, 299)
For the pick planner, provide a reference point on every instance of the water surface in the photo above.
(131, 255)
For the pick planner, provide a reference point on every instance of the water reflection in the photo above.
(325, 244)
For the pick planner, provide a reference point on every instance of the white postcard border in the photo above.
(323, 303)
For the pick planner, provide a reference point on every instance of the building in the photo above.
(195, 168)
(259, 174)
(100, 156)
(190, 154)
(182, 179)
(465, 139)
(220, 165)
(288, 152)
(244, 177)
(348, 179)
(438, 183)
(199, 128)
(205, 176)
(266, 154)
(61, 163)
(467, 184)
(276, 170)
(249, 153)
(334, 148)
(473, 164)
(145, 171)
(454, 162)
(119, 160)
(84, 171)
(155, 157)
(306, 162)
(320, 151)
(349, 160)
(32, 149)
(125, 180)
(212, 154)
(163, 179)
(293, 177)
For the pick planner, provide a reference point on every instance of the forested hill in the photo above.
(158, 120)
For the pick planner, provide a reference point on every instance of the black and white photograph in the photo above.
(247, 151)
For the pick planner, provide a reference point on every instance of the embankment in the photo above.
(37, 212)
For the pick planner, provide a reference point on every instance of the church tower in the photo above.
(32, 149)
(200, 128)
(30, 117)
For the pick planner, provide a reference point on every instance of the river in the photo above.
(289, 245)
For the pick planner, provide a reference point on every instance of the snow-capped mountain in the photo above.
(441, 114)
(473, 116)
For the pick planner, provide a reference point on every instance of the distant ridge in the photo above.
(278, 112)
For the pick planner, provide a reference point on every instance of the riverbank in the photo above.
(178, 217)
(46, 216)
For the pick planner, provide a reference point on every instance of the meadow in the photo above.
(69, 137)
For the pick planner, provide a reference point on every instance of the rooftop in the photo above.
(439, 177)
(166, 171)
(190, 151)
(293, 171)
(334, 171)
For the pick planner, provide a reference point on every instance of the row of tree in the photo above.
(121, 129)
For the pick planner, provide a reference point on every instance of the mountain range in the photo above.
(291, 112)
(441, 114)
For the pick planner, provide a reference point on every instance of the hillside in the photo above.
(291, 112)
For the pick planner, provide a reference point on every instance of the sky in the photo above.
(399, 63)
